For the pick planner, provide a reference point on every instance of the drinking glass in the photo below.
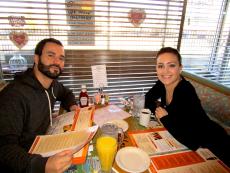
(138, 104)
(91, 101)
(107, 145)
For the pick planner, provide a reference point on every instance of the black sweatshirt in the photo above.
(187, 120)
(24, 114)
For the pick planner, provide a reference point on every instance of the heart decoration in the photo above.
(19, 39)
(136, 16)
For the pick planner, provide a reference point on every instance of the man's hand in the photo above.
(73, 107)
(59, 162)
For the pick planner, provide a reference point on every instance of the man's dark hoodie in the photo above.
(25, 112)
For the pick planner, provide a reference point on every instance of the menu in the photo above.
(48, 145)
(169, 156)
(60, 122)
(186, 162)
(109, 113)
(77, 121)
(155, 141)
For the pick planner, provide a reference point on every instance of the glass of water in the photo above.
(138, 104)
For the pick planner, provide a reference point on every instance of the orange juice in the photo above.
(106, 149)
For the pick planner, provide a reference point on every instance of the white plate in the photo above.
(120, 123)
(132, 159)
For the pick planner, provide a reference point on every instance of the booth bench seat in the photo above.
(215, 99)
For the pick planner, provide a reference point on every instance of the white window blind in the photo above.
(124, 35)
(205, 45)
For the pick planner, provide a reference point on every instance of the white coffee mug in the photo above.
(145, 117)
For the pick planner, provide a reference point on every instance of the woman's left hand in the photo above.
(160, 112)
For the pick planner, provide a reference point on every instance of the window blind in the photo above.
(123, 35)
(205, 44)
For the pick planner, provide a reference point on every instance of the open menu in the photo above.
(62, 123)
(169, 156)
(186, 162)
(83, 119)
(48, 145)
(155, 141)
(77, 121)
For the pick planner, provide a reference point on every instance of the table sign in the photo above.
(99, 76)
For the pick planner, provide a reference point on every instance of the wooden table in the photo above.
(133, 125)
(196, 162)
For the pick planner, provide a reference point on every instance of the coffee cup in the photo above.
(145, 117)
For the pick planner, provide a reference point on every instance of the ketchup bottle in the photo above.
(83, 97)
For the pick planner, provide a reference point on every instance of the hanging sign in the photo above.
(19, 39)
(80, 18)
(17, 21)
(136, 16)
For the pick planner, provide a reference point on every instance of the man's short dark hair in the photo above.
(169, 50)
(39, 47)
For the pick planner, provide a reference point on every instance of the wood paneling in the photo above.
(128, 72)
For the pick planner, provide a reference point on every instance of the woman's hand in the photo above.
(160, 112)
(59, 162)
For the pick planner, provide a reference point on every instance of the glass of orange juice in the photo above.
(106, 149)
(107, 145)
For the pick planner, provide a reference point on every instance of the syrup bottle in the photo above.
(83, 97)
(97, 97)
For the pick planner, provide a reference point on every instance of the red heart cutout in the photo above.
(19, 39)
(136, 16)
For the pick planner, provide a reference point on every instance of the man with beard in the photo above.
(26, 106)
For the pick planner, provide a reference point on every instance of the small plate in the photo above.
(132, 159)
(120, 123)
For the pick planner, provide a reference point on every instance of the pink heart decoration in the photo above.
(19, 39)
(136, 16)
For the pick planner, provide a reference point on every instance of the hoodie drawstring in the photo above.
(53, 92)
(47, 94)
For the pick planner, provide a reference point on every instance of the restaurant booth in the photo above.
(124, 37)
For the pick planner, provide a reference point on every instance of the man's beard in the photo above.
(45, 69)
